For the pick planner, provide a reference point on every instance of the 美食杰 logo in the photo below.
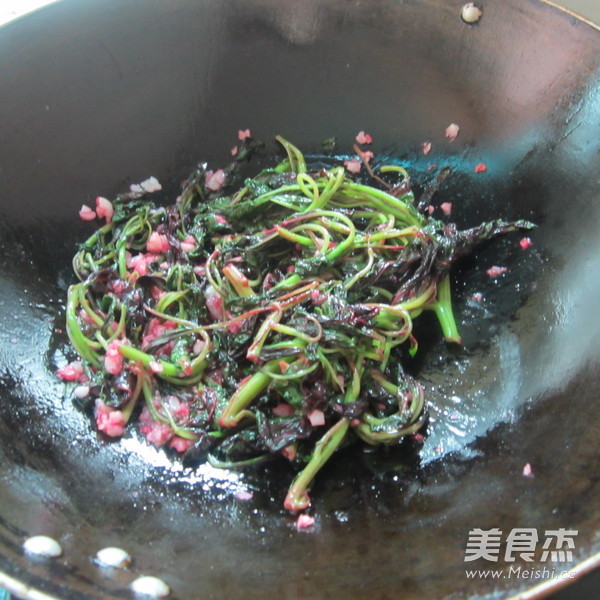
(553, 548)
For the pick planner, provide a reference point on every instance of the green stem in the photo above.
(238, 281)
(443, 310)
(297, 497)
(137, 355)
(235, 410)
(237, 464)
(85, 305)
(387, 202)
(168, 299)
(389, 430)
(263, 332)
(293, 237)
(335, 179)
(295, 371)
(295, 157)
(79, 341)
(128, 408)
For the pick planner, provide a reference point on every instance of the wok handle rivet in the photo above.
(471, 13)
(113, 557)
(42, 545)
(147, 585)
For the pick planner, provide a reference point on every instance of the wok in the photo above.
(96, 95)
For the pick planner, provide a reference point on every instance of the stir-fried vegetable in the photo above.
(268, 320)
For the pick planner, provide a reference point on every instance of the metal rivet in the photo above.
(42, 545)
(471, 13)
(150, 586)
(113, 557)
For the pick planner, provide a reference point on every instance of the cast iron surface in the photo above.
(100, 94)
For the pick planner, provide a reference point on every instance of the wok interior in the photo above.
(95, 103)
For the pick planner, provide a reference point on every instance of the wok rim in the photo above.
(572, 13)
(551, 586)
(539, 591)
(21, 589)
(17, 587)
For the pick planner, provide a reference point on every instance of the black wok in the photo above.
(99, 94)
